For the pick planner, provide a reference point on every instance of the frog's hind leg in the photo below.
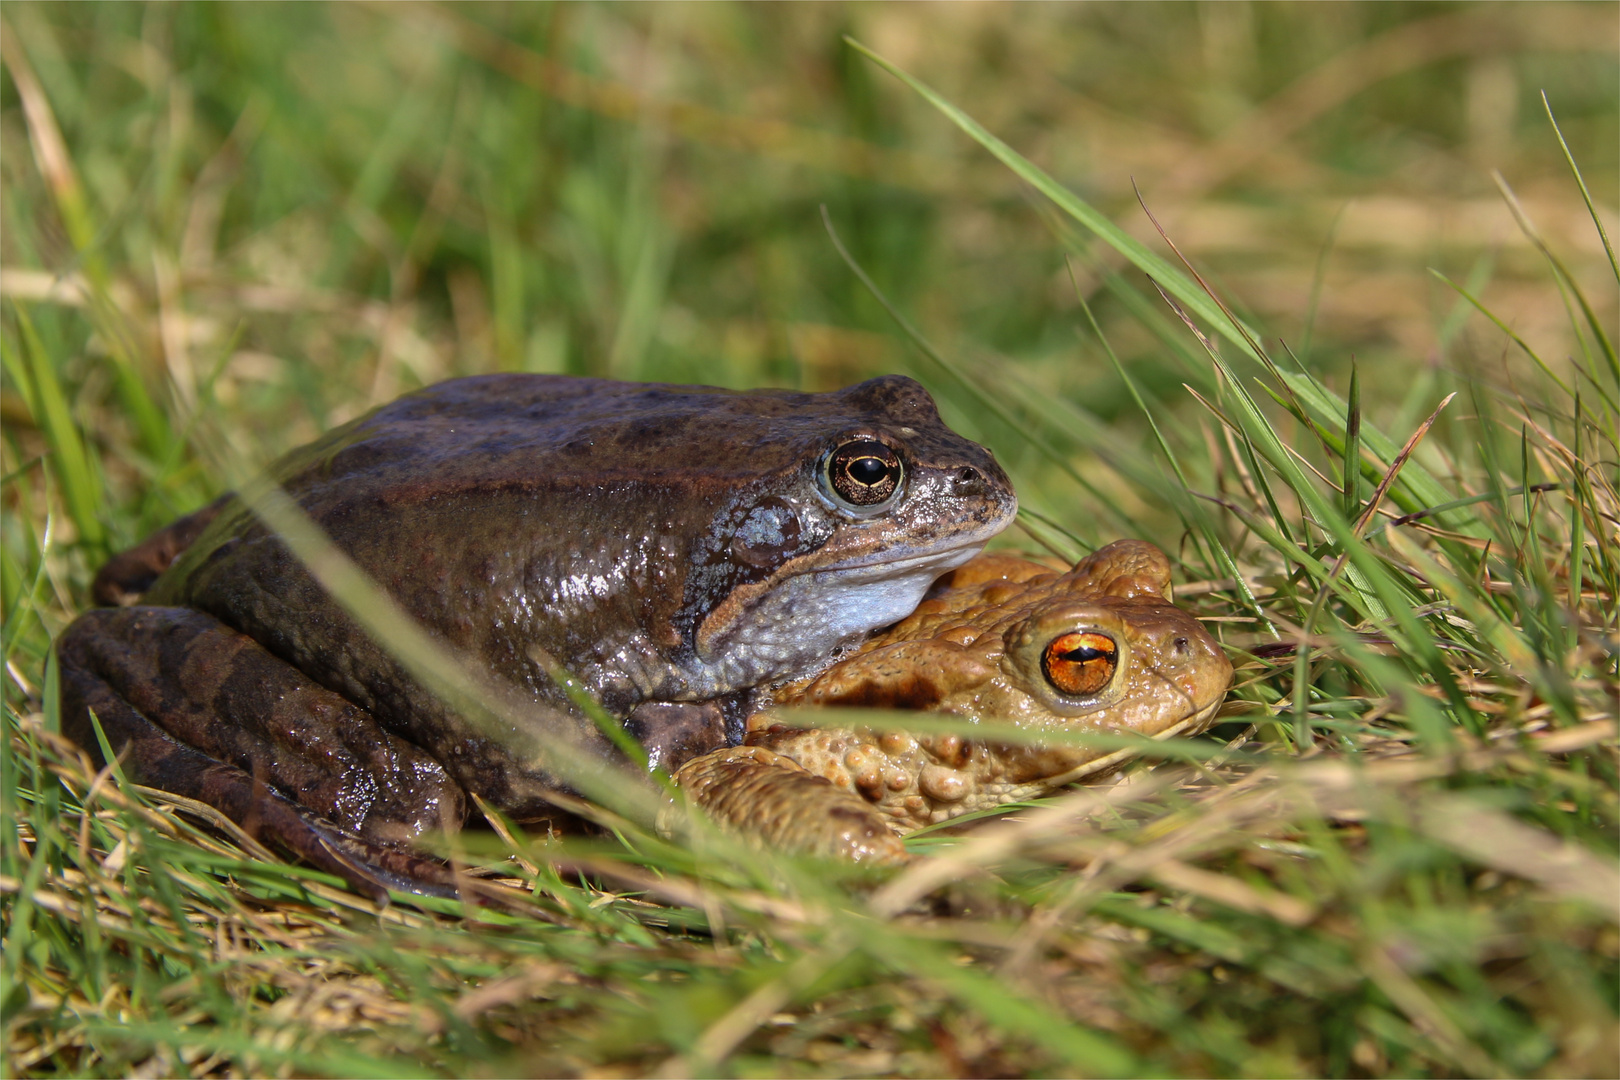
(131, 572)
(197, 709)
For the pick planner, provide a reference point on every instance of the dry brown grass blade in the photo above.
(1424, 1013)
(1279, 795)
(1396, 465)
(723, 1036)
(995, 843)
(50, 150)
(1233, 893)
(1495, 839)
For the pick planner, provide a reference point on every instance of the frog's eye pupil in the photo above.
(867, 470)
(1080, 663)
(864, 473)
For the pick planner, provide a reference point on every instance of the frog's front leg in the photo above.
(774, 802)
(196, 708)
(131, 572)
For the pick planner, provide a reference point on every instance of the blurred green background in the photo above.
(292, 212)
(225, 228)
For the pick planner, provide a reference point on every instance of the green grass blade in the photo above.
(81, 488)
(1156, 267)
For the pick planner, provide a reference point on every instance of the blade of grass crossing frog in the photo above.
(70, 459)
(987, 400)
(1087, 215)
(1178, 749)
(605, 722)
(428, 662)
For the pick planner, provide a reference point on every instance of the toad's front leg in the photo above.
(195, 708)
(774, 802)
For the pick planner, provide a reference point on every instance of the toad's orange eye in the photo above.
(1080, 664)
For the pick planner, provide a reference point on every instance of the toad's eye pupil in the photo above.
(863, 473)
(1080, 663)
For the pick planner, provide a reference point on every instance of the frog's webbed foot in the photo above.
(774, 802)
(195, 708)
(131, 572)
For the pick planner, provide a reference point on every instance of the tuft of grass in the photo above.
(228, 228)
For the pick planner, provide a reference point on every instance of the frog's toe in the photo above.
(775, 803)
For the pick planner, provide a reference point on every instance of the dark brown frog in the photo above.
(674, 547)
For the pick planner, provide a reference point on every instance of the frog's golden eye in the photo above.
(1081, 663)
(864, 473)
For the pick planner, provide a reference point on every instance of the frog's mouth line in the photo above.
(971, 541)
(905, 565)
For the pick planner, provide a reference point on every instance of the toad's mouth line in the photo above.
(1192, 724)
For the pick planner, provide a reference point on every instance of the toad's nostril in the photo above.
(1180, 644)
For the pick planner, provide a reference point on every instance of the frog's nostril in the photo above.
(1180, 645)
(968, 481)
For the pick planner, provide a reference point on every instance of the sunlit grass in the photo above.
(226, 229)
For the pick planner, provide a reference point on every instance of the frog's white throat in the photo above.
(800, 621)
